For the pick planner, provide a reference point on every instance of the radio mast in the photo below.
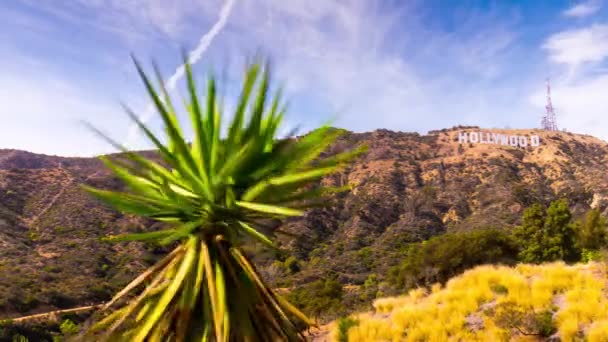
(549, 121)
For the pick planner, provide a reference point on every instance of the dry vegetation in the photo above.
(408, 188)
(495, 303)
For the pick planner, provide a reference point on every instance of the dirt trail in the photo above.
(53, 315)
(30, 222)
(320, 334)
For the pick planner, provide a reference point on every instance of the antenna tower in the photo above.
(549, 122)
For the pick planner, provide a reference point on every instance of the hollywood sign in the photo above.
(498, 139)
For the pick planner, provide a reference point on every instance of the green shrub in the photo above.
(500, 289)
(52, 268)
(19, 338)
(24, 302)
(344, 324)
(369, 290)
(292, 264)
(590, 255)
(321, 298)
(339, 247)
(60, 229)
(371, 281)
(101, 292)
(365, 256)
(68, 328)
(547, 235)
(33, 236)
(544, 323)
(591, 231)
(60, 298)
(524, 319)
(441, 257)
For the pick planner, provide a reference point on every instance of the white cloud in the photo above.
(372, 65)
(42, 112)
(362, 61)
(583, 9)
(578, 46)
(193, 57)
(579, 89)
(131, 20)
(580, 106)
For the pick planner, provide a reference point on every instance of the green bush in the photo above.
(61, 229)
(371, 281)
(500, 289)
(321, 298)
(524, 319)
(365, 256)
(590, 255)
(52, 268)
(344, 324)
(68, 328)
(591, 231)
(544, 323)
(33, 236)
(60, 298)
(442, 257)
(24, 302)
(100, 292)
(547, 235)
(19, 338)
(292, 264)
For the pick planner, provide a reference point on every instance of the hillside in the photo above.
(407, 188)
(493, 303)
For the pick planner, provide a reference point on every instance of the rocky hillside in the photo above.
(406, 188)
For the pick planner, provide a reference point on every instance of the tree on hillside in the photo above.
(547, 234)
(214, 195)
(559, 235)
(591, 231)
(444, 256)
(321, 297)
(530, 233)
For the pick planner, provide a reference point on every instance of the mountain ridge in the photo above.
(407, 188)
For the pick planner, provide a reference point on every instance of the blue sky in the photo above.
(402, 65)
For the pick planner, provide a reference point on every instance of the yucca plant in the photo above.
(214, 194)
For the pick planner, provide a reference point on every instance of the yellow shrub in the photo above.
(371, 330)
(598, 331)
(541, 293)
(568, 329)
(455, 312)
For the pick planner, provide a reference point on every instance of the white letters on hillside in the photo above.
(498, 139)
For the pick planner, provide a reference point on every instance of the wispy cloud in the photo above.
(42, 111)
(193, 57)
(376, 66)
(579, 87)
(583, 9)
(578, 46)
(373, 64)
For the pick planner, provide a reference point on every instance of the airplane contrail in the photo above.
(193, 57)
